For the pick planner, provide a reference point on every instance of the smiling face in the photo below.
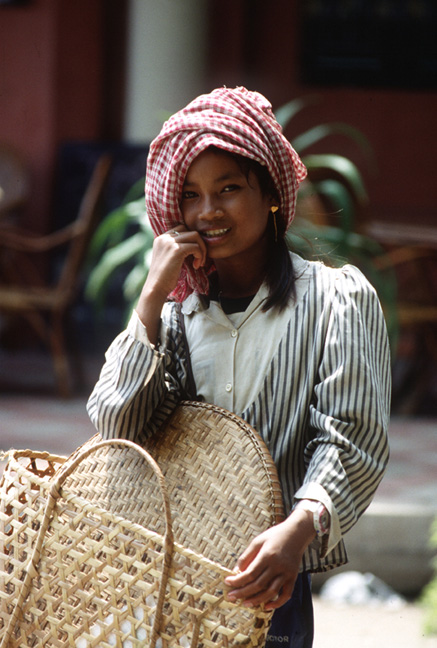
(227, 208)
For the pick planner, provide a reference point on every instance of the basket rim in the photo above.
(23, 453)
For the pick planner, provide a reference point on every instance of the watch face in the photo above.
(321, 520)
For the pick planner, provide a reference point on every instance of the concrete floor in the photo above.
(369, 627)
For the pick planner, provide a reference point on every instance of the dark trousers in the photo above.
(293, 624)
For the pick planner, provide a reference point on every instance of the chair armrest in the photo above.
(23, 241)
(404, 254)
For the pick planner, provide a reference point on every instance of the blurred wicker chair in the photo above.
(14, 181)
(24, 291)
(415, 265)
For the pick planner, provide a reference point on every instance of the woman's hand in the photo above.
(269, 567)
(168, 255)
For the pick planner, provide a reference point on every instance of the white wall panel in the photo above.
(165, 62)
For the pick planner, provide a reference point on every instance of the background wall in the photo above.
(166, 62)
(51, 86)
(260, 47)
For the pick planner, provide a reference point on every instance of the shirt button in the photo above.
(234, 332)
(228, 387)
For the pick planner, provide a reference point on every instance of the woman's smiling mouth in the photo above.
(215, 233)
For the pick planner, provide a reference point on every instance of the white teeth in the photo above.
(213, 233)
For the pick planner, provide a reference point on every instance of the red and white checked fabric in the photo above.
(235, 120)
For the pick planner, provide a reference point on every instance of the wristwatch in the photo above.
(321, 517)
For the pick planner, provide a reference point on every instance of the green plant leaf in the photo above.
(134, 282)
(331, 165)
(111, 261)
(339, 204)
(135, 209)
(317, 133)
(145, 226)
(428, 597)
(284, 114)
(110, 232)
(136, 192)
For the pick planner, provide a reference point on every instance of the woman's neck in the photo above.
(237, 282)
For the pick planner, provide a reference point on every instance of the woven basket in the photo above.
(124, 546)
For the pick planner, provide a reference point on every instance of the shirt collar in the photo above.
(195, 303)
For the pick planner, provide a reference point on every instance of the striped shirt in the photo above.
(314, 381)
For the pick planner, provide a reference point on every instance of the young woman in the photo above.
(297, 349)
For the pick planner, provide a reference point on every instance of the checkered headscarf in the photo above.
(235, 120)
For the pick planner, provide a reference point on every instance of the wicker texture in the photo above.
(104, 568)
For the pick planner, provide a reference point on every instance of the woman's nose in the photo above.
(210, 208)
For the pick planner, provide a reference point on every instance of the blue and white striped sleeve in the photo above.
(139, 385)
(348, 453)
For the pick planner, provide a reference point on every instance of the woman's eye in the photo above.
(232, 187)
(186, 195)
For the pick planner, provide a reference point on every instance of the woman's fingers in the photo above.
(170, 250)
(248, 556)
(184, 238)
(262, 581)
(177, 230)
(283, 596)
(272, 594)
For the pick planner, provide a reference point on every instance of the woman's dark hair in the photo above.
(280, 275)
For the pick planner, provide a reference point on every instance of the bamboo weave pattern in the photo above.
(107, 572)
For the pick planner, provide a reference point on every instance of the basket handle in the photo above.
(53, 496)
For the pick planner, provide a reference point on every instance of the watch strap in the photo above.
(321, 517)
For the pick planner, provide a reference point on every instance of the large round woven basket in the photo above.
(132, 544)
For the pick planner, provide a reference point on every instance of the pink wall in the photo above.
(50, 86)
(400, 127)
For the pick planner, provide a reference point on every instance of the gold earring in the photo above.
(274, 209)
